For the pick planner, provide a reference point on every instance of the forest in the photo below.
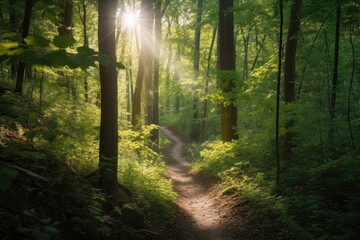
(180, 119)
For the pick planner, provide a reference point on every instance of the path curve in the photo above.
(200, 208)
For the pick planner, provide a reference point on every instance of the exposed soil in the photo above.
(203, 212)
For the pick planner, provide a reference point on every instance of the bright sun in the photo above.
(130, 19)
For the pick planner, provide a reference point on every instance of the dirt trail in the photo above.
(204, 214)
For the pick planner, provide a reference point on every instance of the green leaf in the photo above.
(7, 175)
(85, 50)
(104, 60)
(58, 59)
(63, 41)
(37, 41)
(82, 61)
(12, 36)
(5, 47)
(49, 136)
(120, 65)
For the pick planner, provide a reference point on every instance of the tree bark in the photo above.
(108, 152)
(86, 44)
(13, 28)
(290, 74)
(24, 34)
(277, 148)
(195, 127)
(206, 89)
(335, 73)
(65, 29)
(158, 36)
(145, 66)
(226, 62)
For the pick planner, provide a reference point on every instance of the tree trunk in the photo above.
(13, 28)
(226, 61)
(350, 87)
(145, 66)
(24, 34)
(195, 127)
(335, 73)
(290, 74)
(86, 44)
(108, 152)
(277, 148)
(64, 29)
(206, 90)
(158, 37)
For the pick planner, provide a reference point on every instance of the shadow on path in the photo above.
(198, 207)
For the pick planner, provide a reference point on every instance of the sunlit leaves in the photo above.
(11, 36)
(39, 50)
(37, 41)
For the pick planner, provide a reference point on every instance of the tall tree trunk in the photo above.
(24, 34)
(335, 73)
(259, 48)
(145, 66)
(206, 90)
(108, 151)
(290, 74)
(158, 37)
(277, 148)
(350, 87)
(65, 29)
(195, 128)
(13, 28)
(86, 44)
(147, 39)
(226, 61)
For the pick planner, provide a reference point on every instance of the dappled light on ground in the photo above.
(201, 208)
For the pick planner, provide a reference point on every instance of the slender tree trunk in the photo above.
(158, 37)
(350, 88)
(177, 73)
(168, 66)
(108, 152)
(65, 29)
(246, 38)
(13, 28)
(195, 128)
(277, 148)
(335, 73)
(41, 93)
(259, 48)
(86, 44)
(24, 34)
(290, 74)
(206, 90)
(226, 61)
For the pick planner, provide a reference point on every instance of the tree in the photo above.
(65, 30)
(145, 66)
(290, 74)
(195, 131)
(108, 152)
(226, 61)
(24, 34)
(277, 148)
(335, 71)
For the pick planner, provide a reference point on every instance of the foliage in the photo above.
(143, 170)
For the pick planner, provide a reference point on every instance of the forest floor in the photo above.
(203, 213)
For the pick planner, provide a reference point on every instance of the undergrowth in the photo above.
(61, 146)
(317, 201)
